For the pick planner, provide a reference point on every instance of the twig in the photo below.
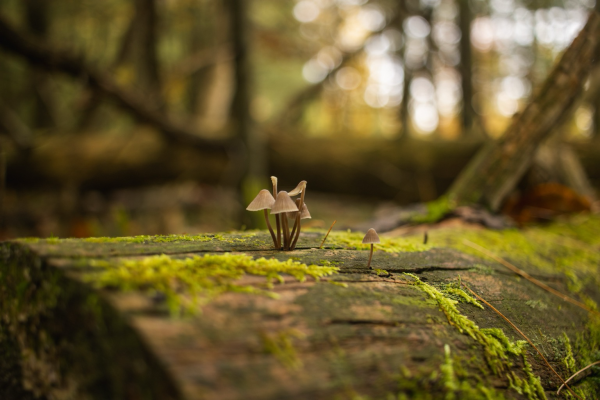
(526, 338)
(529, 277)
(325, 238)
(575, 374)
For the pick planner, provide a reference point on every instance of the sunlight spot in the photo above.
(306, 11)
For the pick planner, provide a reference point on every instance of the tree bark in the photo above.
(466, 73)
(373, 333)
(497, 168)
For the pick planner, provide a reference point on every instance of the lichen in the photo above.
(188, 283)
(353, 240)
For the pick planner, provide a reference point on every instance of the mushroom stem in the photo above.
(286, 232)
(277, 217)
(297, 223)
(370, 256)
(270, 228)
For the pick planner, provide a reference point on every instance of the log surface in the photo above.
(358, 332)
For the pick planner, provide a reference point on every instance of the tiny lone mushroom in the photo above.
(284, 204)
(264, 201)
(370, 238)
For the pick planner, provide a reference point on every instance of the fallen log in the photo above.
(206, 317)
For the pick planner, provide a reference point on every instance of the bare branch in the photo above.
(47, 58)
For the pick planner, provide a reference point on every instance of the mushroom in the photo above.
(370, 238)
(284, 204)
(301, 188)
(277, 217)
(304, 214)
(264, 201)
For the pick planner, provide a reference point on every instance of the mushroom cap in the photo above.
(284, 203)
(301, 186)
(303, 215)
(371, 237)
(264, 199)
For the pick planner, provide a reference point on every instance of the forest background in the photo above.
(128, 117)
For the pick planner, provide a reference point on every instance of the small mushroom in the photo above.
(277, 217)
(264, 201)
(304, 214)
(301, 188)
(284, 204)
(370, 238)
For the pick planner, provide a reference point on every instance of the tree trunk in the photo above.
(466, 72)
(102, 318)
(497, 168)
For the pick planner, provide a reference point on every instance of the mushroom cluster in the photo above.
(284, 209)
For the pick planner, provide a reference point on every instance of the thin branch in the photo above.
(529, 277)
(575, 374)
(524, 336)
(43, 56)
(18, 131)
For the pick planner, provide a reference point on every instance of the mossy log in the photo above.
(205, 317)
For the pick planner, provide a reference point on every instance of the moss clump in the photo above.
(188, 283)
(281, 345)
(145, 239)
(454, 291)
(541, 247)
(436, 210)
(529, 386)
(496, 345)
(353, 241)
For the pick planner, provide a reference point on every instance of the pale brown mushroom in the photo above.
(304, 214)
(264, 201)
(284, 204)
(370, 238)
(301, 188)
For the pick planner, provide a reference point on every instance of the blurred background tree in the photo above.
(126, 117)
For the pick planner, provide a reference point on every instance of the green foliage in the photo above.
(188, 283)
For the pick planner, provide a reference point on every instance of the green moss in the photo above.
(461, 295)
(447, 368)
(436, 210)
(191, 282)
(281, 345)
(145, 239)
(353, 240)
(541, 246)
(529, 386)
(496, 345)
(568, 361)
(537, 304)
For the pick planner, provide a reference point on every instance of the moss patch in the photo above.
(188, 283)
(353, 240)
(436, 210)
(496, 345)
